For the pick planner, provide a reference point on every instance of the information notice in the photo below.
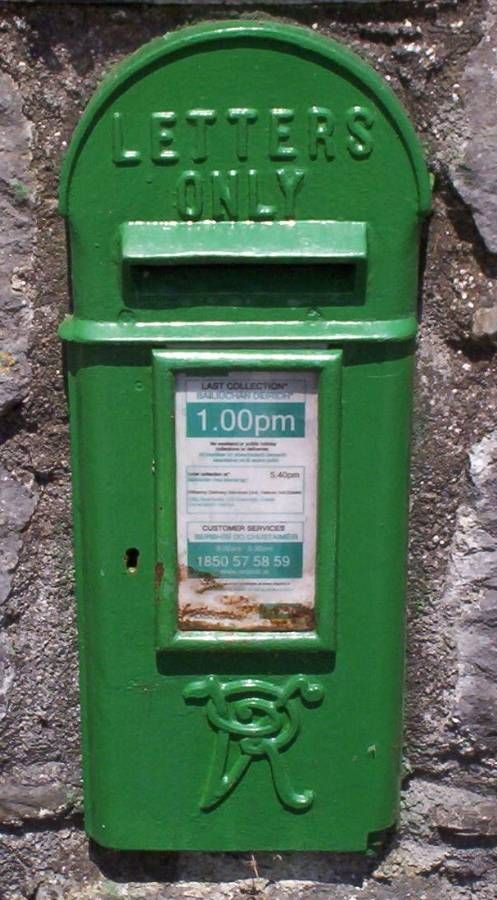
(246, 461)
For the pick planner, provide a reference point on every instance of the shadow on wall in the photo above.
(132, 866)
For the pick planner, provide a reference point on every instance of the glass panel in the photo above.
(246, 459)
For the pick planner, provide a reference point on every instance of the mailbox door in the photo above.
(238, 740)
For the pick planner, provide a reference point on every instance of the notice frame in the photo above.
(168, 366)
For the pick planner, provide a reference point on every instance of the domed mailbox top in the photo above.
(243, 143)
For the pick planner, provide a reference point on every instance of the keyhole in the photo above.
(131, 559)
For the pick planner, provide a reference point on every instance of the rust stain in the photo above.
(209, 583)
(158, 574)
(239, 606)
(182, 574)
(189, 609)
(288, 616)
(237, 600)
(236, 612)
(202, 624)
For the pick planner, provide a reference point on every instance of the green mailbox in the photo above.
(244, 202)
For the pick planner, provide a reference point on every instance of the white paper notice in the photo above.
(246, 461)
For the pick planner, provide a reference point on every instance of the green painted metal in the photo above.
(242, 196)
(284, 329)
(240, 242)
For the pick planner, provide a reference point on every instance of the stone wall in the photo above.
(441, 59)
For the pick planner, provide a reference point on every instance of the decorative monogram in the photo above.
(253, 719)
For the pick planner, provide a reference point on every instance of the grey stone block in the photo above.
(16, 244)
(6, 673)
(17, 503)
(35, 795)
(471, 594)
(429, 807)
(476, 176)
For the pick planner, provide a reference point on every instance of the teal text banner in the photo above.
(245, 420)
(247, 560)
